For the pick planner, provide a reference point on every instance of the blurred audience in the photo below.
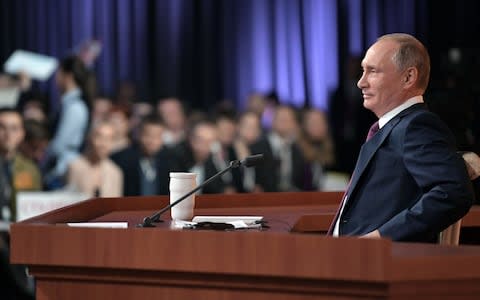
(147, 163)
(248, 133)
(195, 155)
(223, 152)
(126, 94)
(19, 172)
(119, 118)
(93, 173)
(264, 106)
(73, 80)
(139, 111)
(284, 168)
(299, 155)
(101, 108)
(173, 113)
(35, 143)
(35, 108)
(317, 145)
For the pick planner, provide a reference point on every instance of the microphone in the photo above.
(249, 161)
(252, 160)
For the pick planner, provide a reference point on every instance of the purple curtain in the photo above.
(204, 51)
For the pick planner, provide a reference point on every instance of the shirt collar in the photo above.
(394, 112)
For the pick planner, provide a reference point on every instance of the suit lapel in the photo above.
(369, 148)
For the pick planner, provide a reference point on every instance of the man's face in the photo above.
(285, 123)
(101, 108)
(202, 141)
(11, 131)
(381, 82)
(172, 114)
(316, 125)
(151, 138)
(226, 129)
(249, 128)
(120, 123)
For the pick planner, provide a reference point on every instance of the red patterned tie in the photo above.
(371, 132)
(373, 129)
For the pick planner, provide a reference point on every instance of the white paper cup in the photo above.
(181, 184)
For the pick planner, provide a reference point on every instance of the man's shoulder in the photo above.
(421, 118)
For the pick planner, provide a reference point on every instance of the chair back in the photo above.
(451, 235)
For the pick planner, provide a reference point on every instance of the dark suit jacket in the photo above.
(409, 182)
(129, 162)
(267, 174)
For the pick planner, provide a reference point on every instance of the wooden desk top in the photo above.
(287, 252)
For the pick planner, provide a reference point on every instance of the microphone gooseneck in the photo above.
(249, 161)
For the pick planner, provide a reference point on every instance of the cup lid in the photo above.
(183, 175)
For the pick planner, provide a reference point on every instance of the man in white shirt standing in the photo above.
(409, 183)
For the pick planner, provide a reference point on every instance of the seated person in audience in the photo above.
(118, 117)
(35, 143)
(195, 155)
(147, 164)
(102, 106)
(125, 94)
(224, 152)
(20, 173)
(93, 173)
(139, 111)
(35, 108)
(173, 113)
(248, 132)
(316, 145)
(284, 167)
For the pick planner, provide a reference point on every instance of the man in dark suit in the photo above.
(409, 183)
(146, 165)
(196, 155)
(284, 167)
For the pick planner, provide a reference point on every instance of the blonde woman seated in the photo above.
(93, 173)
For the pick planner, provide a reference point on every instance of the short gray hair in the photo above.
(411, 53)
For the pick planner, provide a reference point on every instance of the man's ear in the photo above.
(410, 77)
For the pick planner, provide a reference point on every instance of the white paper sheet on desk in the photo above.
(227, 219)
(100, 224)
(237, 224)
(36, 65)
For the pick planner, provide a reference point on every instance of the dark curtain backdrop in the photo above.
(204, 51)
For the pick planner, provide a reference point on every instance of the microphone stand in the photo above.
(148, 221)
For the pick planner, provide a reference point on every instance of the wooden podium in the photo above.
(282, 262)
